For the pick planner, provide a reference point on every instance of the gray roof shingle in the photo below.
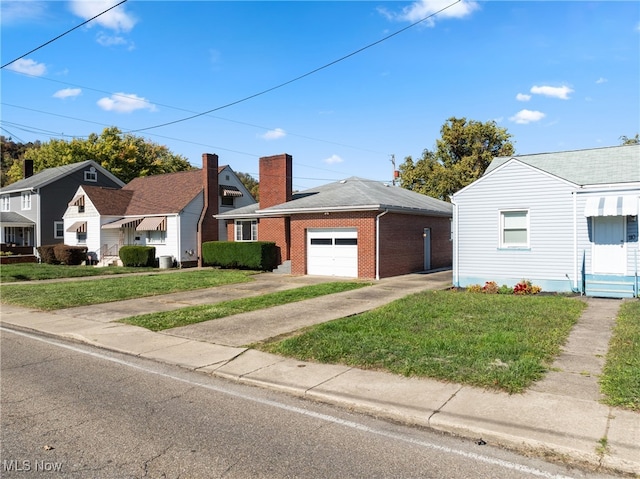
(616, 164)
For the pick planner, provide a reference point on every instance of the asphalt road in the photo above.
(73, 411)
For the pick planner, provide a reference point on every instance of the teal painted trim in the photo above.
(611, 286)
(549, 286)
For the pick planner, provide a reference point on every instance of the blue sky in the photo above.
(557, 75)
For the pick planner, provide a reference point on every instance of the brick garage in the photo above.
(390, 222)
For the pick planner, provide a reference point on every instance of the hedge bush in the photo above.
(138, 256)
(257, 255)
(47, 254)
(70, 255)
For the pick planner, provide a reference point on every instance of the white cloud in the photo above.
(561, 92)
(67, 93)
(110, 40)
(601, 80)
(117, 19)
(17, 12)
(523, 97)
(28, 67)
(274, 134)
(125, 103)
(527, 116)
(423, 8)
(332, 160)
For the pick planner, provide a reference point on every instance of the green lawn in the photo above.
(198, 314)
(49, 296)
(495, 341)
(620, 380)
(10, 273)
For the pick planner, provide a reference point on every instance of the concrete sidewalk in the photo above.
(549, 419)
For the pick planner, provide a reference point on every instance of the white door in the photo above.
(332, 252)
(609, 250)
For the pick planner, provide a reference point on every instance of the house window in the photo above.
(227, 201)
(156, 237)
(26, 200)
(81, 238)
(5, 203)
(514, 229)
(91, 175)
(246, 230)
(58, 229)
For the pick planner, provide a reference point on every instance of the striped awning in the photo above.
(153, 223)
(77, 201)
(78, 227)
(230, 191)
(123, 223)
(611, 206)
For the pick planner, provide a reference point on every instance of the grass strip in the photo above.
(197, 314)
(50, 296)
(620, 381)
(493, 341)
(10, 273)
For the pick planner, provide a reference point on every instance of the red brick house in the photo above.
(352, 228)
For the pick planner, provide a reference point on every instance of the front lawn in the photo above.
(10, 273)
(620, 380)
(197, 314)
(49, 296)
(496, 341)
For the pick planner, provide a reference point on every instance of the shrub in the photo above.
(504, 289)
(525, 287)
(257, 255)
(138, 256)
(70, 255)
(47, 254)
(490, 287)
(474, 288)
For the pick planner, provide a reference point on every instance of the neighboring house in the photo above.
(172, 212)
(353, 228)
(566, 221)
(31, 209)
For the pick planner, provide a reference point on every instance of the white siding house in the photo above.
(566, 221)
(173, 212)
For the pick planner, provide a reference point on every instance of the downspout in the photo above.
(378, 243)
(456, 280)
(575, 241)
(37, 240)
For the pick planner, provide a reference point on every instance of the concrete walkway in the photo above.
(558, 417)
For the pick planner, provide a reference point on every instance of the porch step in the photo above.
(284, 268)
(611, 289)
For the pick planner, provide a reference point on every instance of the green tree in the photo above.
(462, 154)
(250, 183)
(13, 152)
(125, 155)
(634, 140)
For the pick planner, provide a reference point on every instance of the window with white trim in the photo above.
(26, 200)
(156, 237)
(91, 175)
(81, 237)
(58, 229)
(514, 229)
(6, 205)
(246, 230)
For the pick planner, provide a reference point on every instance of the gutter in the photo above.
(378, 243)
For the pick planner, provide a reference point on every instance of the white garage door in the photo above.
(332, 252)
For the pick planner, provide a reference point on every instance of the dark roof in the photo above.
(109, 201)
(160, 194)
(50, 175)
(597, 166)
(352, 194)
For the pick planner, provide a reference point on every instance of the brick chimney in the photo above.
(27, 168)
(275, 180)
(208, 225)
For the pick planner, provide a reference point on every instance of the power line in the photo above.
(63, 34)
(327, 65)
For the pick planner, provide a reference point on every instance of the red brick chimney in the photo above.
(208, 225)
(275, 180)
